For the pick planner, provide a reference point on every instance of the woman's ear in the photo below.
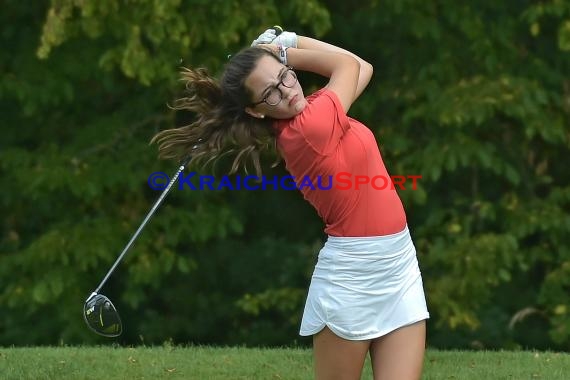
(253, 113)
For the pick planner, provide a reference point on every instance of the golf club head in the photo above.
(101, 316)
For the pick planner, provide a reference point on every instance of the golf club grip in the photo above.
(278, 30)
(145, 220)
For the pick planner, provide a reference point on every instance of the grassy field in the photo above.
(241, 363)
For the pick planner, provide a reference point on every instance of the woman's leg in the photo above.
(337, 358)
(399, 355)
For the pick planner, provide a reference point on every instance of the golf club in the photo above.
(98, 311)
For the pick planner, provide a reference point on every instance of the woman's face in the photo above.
(268, 78)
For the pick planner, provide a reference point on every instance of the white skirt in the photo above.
(365, 287)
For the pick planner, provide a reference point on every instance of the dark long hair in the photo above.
(221, 126)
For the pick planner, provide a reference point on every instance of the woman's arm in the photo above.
(366, 69)
(342, 69)
(349, 74)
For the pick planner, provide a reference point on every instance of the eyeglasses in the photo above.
(274, 96)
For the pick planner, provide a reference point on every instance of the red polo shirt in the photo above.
(322, 142)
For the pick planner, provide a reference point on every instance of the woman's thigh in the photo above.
(337, 358)
(399, 355)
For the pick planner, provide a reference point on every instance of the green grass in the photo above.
(171, 362)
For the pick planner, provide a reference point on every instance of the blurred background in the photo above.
(474, 97)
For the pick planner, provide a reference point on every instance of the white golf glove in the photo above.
(266, 37)
(286, 39)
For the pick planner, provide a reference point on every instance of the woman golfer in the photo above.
(366, 293)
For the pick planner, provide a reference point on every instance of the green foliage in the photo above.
(475, 98)
(478, 103)
(145, 38)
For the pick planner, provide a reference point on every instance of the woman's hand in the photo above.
(276, 36)
(265, 38)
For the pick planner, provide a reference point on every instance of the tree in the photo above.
(472, 97)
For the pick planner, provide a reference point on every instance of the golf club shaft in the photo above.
(146, 219)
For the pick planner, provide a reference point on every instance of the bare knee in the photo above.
(337, 358)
